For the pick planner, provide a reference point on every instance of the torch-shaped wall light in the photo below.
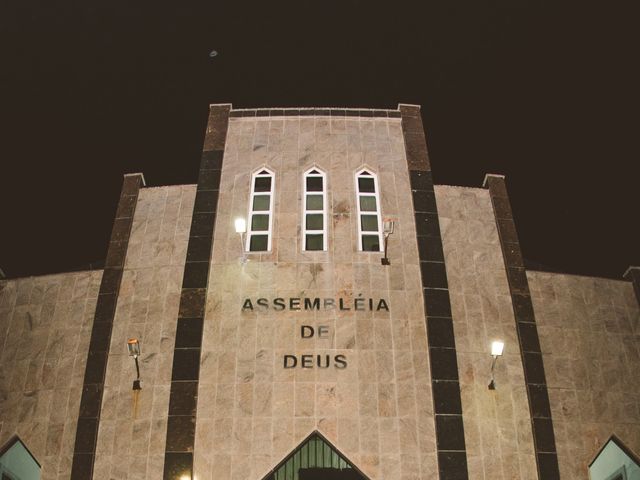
(387, 229)
(241, 228)
(496, 350)
(133, 346)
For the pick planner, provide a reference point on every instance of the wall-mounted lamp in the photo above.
(241, 228)
(133, 347)
(241, 225)
(387, 229)
(496, 350)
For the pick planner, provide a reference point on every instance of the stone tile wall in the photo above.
(590, 338)
(251, 411)
(131, 436)
(45, 327)
(497, 425)
(378, 411)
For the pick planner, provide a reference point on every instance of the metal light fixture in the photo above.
(497, 348)
(241, 228)
(387, 229)
(133, 347)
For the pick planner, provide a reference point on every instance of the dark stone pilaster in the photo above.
(96, 368)
(633, 275)
(216, 132)
(532, 362)
(414, 139)
(450, 442)
(183, 397)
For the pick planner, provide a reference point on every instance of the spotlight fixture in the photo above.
(241, 228)
(387, 229)
(496, 351)
(133, 347)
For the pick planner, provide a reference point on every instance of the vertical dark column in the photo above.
(539, 407)
(633, 275)
(92, 388)
(183, 398)
(452, 455)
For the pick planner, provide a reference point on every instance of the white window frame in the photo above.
(378, 212)
(258, 173)
(320, 173)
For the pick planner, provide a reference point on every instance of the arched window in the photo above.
(314, 217)
(369, 220)
(261, 211)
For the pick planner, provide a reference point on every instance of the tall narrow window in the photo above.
(368, 201)
(261, 211)
(314, 218)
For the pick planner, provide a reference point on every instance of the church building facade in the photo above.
(316, 308)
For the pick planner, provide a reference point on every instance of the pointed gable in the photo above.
(315, 459)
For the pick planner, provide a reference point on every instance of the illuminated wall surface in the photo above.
(252, 362)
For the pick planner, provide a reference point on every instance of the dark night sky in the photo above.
(543, 92)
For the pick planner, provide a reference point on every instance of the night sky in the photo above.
(543, 92)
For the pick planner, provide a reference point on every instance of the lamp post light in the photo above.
(133, 346)
(387, 229)
(497, 348)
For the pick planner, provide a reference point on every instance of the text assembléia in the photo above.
(358, 304)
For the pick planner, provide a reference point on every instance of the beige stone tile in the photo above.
(262, 436)
(243, 400)
(387, 400)
(305, 399)
(241, 439)
(368, 399)
(303, 427)
(382, 333)
(384, 370)
(283, 435)
(348, 435)
(346, 400)
(326, 401)
(366, 366)
(406, 399)
(328, 427)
